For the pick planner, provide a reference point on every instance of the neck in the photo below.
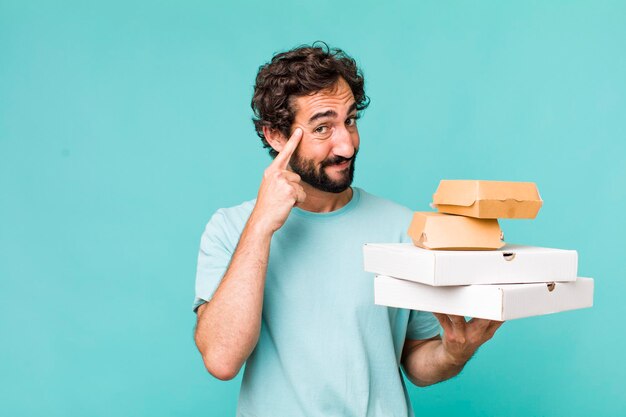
(319, 201)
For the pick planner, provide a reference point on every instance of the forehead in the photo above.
(337, 97)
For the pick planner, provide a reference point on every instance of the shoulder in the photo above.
(382, 205)
(226, 224)
(235, 214)
(387, 218)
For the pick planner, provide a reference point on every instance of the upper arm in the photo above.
(199, 314)
(411, 345)
(216, 249)
(422, 325)
(200, 311)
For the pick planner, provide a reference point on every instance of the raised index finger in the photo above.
(283, 157)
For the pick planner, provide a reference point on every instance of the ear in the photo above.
(275, 138)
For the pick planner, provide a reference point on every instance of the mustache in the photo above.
(337, 160)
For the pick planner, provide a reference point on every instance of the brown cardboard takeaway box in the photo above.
(509, 265)
(430, 230)
(488, 199)
(494, 302)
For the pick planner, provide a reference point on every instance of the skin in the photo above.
(228, 326)
(427, 362)
(328, 137)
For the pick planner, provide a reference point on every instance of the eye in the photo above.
(351, 121)
(321, 129)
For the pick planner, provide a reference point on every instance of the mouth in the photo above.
(341, 165)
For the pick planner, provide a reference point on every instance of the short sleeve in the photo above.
(422, 325)
(213, 258)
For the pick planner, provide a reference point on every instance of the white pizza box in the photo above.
(510, 264)
(494, 302)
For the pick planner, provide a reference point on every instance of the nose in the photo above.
(343, 142)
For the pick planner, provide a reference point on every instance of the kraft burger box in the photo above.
(488, 199)
(494, 302)
(431, 230)
(510, 264)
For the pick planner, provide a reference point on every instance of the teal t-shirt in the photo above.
(325, 349)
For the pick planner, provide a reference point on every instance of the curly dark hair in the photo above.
(303, 70)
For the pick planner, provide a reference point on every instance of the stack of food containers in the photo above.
(459, 264)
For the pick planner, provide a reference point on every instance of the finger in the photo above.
(493, 326)
(479, 324)
(491, 330)
(301, 196)
(444, 321)
(291, 176)
(283, 157)
(457, 321)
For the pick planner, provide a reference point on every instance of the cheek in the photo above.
(314, 150)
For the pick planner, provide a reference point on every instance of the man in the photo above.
(280, 283)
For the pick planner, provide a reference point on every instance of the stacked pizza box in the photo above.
(459, 264)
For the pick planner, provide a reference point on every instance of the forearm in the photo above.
(229, 325)
(429, 363)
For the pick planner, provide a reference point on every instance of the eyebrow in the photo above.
(329, 113)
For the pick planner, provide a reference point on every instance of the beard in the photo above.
(317, 177)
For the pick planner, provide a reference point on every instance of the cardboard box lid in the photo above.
(432, 230)
(501, 199)
(494, 302)
(509, 264)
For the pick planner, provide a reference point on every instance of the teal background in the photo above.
(124, 125)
